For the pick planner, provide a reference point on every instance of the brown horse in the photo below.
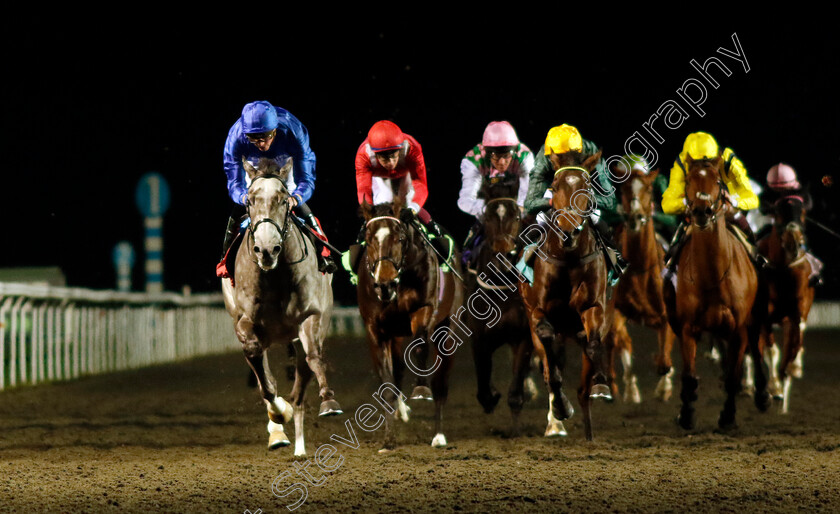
(717, 290)
(639, 293)
(569, 298)
(280, 298)
(495, 276)
(405, 297)
(790, 294)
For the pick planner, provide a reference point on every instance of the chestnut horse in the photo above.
(718, 290)
(405, 297)
(791, 294)
(639, 293)
(569, 297)
(280, 298)
(494, 275)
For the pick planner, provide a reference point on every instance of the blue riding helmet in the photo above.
(259, 117)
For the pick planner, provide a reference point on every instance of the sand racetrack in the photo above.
(191, 438)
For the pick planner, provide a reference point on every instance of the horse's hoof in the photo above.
(763, 401)
(795, 370)
(439, 441)
(726, 422)
(747, 391)
(421, 393)
(601, 392)
(632, 394)
(330, 408)
(556, 429)
(385, 451)
(276, 437)
(686, 421)
(489, 402)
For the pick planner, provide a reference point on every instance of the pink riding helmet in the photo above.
(499, 133)
(782, 176)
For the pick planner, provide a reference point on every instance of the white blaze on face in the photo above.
(501, 211)
(572, 180)
(381, 235)
(637, 186)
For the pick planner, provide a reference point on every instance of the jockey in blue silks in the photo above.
(266, 131)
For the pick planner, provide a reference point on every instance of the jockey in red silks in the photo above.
(390, 163)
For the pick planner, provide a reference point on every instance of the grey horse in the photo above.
(280, 298)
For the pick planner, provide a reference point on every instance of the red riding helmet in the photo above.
(385, 135)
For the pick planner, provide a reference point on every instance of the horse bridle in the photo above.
(715, 210)
(400, 266)
(283, 231)
(577, 230)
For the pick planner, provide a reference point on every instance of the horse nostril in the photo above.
(256, 249)
(276, 248)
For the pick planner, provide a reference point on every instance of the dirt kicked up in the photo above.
(191, 438)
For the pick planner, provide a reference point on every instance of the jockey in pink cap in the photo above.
(499, 157)
(783, 186)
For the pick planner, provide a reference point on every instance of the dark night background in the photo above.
(86, 116)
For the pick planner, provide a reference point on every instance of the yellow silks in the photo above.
(562, 139)
(699, 145)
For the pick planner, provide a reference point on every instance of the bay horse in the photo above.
(639, 293)
(717, 290)
(501, 222)
(280, 298)
(791, 294)
(569, 297)
(406, 300)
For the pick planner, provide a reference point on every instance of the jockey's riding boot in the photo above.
(325, 262)
(231, 232)
(615, 262)
(740, 222)
(470, 253)
(676, 245)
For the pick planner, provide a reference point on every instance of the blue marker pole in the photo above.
(153, 200)
(123, 262)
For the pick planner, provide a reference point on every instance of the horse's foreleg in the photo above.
(792, 353)
(440, 390)
(755, 344)
(735, 351)
(279, 411)
(772, 357)
(688, 391)
(302, 377)
(421, 319)
(542, 336)
(516, 393)
(385, 368)
(585, 394)
(487, 395)
(312, 341)
(597, 352)
(664, 365)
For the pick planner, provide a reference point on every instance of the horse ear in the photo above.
(688, 161)
(249, 170)
(286, 169)
(717, 162)
(591, 161)
(652, 174)
(398, 206)
(367, 210)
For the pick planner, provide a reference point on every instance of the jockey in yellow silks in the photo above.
(701, 145)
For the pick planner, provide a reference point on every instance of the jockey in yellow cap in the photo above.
(701, 145)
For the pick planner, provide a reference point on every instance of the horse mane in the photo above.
(267, 166)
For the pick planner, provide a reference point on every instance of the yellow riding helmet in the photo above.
(562, 139)
(700, 145)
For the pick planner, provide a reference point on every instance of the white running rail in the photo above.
(59, 333)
